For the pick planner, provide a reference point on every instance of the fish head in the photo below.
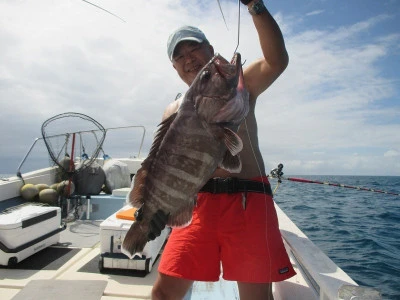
(218, 91)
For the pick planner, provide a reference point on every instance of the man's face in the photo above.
(190, 57)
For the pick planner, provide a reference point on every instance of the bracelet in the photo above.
(257, 8)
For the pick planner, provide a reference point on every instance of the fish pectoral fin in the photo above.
(232, 141)
(234, 110)
(231, 163)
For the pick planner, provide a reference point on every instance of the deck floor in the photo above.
(75, 258)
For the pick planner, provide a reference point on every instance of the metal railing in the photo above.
(59, 135)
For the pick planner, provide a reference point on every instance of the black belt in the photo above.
(233, 185)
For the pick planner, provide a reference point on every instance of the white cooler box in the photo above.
(27, 229)
(112, 234)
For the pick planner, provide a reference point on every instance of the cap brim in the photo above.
(189, 38)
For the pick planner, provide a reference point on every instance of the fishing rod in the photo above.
(278, 174)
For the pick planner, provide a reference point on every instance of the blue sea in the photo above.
(358, 230)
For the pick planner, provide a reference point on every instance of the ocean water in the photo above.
(358, 230)
(4, 177)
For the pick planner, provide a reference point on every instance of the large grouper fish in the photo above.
(187, 149)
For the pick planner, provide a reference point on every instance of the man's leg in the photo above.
(255, 291)
(170, 288)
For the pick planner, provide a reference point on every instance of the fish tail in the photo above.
(135, 239)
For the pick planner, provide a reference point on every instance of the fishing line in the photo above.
(104, 10)
(253, 151)
(222, 13)
(265, 199)
(258, 165)
(238, 28)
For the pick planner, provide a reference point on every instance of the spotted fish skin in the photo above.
(187, 149)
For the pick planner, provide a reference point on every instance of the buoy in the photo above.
(42, 186)
(65, 166)
(29, 192)
(48, 196)
(62, 188)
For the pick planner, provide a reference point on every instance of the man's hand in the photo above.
(157, 224)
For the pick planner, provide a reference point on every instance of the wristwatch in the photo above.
(257, 8)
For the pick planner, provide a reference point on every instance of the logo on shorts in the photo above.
(284, 270)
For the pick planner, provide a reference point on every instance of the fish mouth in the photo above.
(218, 59)
(230, 71)
(236, 60)
(237, 106)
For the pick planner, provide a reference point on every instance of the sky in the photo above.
(334, 111)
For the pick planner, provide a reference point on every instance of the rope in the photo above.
(276, 188)
(277, 173)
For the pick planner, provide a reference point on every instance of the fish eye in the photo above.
(206, 74)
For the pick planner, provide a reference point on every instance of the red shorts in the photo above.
(246, 243)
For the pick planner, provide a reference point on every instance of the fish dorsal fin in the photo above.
(232, 141)
(159, 137)
(136, 196)
(231, 163)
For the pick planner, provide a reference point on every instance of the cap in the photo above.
(185, 33)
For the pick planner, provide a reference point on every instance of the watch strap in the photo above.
(257, 8)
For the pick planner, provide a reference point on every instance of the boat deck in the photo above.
(69, 269)
(73, 260)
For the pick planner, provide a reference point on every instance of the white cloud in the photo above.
(315, 12)
(70, 56)
(391, 153)
(331, 101)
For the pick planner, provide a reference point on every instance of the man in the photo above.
(238, 229)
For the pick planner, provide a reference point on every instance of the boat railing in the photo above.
(19, 174)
